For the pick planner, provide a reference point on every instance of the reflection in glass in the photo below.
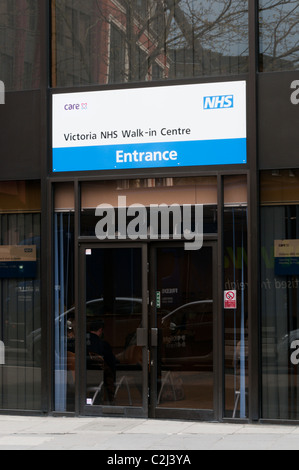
(64, 318)
(279, 39)
(158, 191)
(185, 324)
(279, 296)
(20, 314)
(113, 313)
(20, 44)
(101, 42)
(236, 319)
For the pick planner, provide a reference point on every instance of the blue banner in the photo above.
(151, 155)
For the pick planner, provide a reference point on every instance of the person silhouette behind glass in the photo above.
(100, 356)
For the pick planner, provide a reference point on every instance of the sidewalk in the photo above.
(110, 434)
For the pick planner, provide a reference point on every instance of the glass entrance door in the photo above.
(182, 332)
(148, 352)
(114, 315)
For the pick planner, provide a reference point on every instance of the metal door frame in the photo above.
(184, 413)
(125, 411)
(147, 336)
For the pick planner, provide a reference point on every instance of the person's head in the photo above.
(97, 327)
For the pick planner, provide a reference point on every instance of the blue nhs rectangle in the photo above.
(218, 102)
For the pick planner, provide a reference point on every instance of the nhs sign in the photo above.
(218, 102)
(121, 139)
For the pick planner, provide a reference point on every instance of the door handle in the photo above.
(141, 337)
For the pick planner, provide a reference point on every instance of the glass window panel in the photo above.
(280, 320)
(179, 191)
(100, 42)
(64, 197)
(235, 319)
(279, 296)
(235, 190)
(279, 38)
(20, 44)
(20, 196)
(279, 187)
(20, 315)
(198, 190)
(64, 298)
(113, 313)
(185, 324)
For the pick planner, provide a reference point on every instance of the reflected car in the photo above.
(186, 337)
(120, 325)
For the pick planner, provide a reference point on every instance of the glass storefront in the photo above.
(20, 313)
(153, 289)
(100, 42)
(279, 294)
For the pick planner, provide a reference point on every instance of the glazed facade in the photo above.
(193, 334)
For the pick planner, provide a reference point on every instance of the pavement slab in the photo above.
(112, 435)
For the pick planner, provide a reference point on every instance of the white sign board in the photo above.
(286, 257)
(230, 299)
(150, 127)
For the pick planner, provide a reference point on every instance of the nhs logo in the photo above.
(218, 102)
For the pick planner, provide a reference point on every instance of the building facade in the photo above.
(131, 132)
